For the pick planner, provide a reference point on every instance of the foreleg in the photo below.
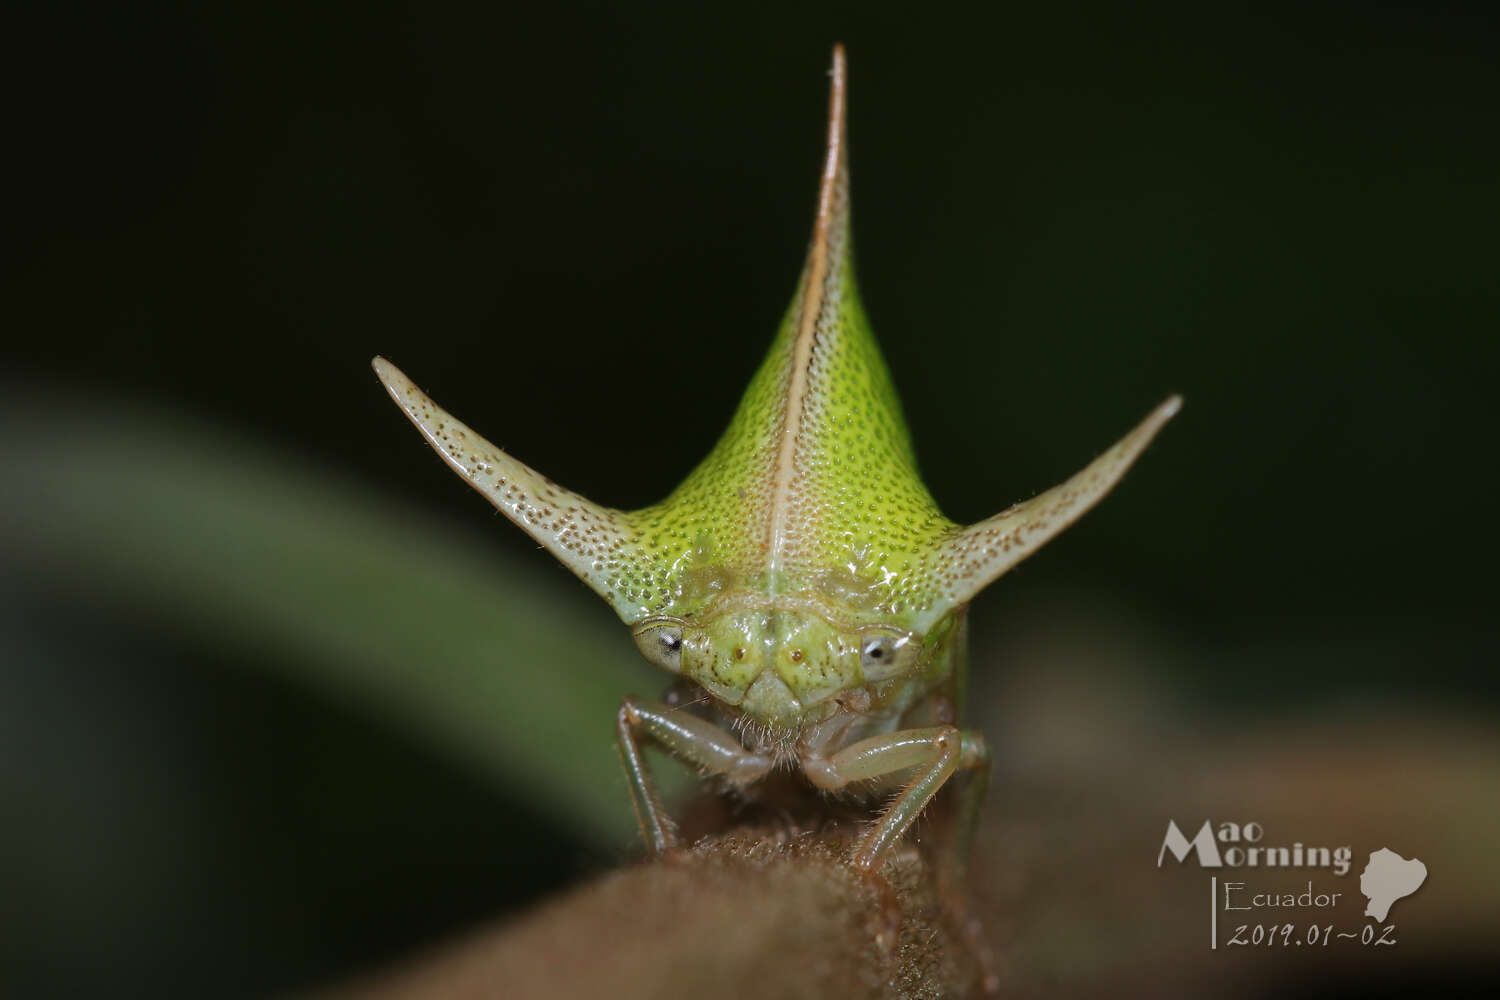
(687, 737)
(937, 753)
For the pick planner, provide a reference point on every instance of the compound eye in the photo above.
(662, 645)
(877, 657)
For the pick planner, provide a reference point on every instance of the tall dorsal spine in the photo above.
(812, 491)
(820, 301)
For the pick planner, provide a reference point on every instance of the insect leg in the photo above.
(974, 757)
(688, 738)
(938, 752)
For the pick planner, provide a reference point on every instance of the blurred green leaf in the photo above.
(320, 579)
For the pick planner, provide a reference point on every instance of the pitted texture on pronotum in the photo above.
(812, 490)
(975, 555)
(801, 576)
(855, 506)
(591, 540)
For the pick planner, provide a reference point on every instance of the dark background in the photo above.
(578, 227)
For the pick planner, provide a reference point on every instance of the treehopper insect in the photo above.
(801, 577)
